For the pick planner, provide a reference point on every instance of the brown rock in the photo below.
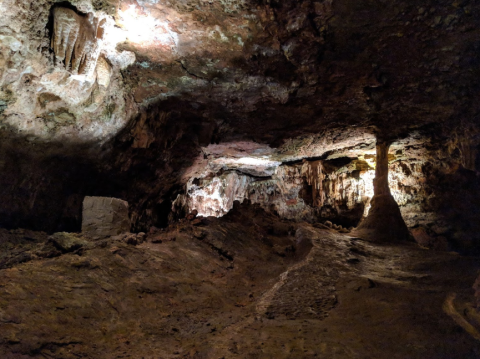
(142, 93)
(141, 237)
(132, 239)
(67, 242)
(197, 222)
(103, 216)
(199, 233)
(426, 240)
(153, 230)
(192, 215)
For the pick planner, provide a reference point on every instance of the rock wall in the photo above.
(313, 190)
(384, 222)
(76, 40)
(215, 197)
(312, 79)
(60, 75)
(427, 179)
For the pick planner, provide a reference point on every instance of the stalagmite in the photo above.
(384, 222)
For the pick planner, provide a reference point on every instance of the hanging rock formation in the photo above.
(75, 40)
(309, 190)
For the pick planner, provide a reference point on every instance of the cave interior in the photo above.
(239, 179)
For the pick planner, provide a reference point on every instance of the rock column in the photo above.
(384, 222)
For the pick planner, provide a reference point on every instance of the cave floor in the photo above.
(247, 285)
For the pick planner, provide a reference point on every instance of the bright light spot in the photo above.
(396, 180)
(255, 166)
(252, 161)
(215, 197)
(367, 178)
(144, 29)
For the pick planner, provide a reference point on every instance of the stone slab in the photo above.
(105, 216)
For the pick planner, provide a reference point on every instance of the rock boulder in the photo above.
(104, 216)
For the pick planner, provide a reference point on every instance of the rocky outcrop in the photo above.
(60, 78)
(67, 242)
(215, 197)
(104, 217)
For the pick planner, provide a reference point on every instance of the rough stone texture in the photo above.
(384, 222)
(52, 86)
(75, 40)
(263, 100)
(103, 216)
(67, 242)
(298, 77)
(338, 188)
(246, 285)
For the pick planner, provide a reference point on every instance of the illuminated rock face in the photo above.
(75, 40)
(384, 222)
(314, 191)
(311, 190)
(215, 197)
(339, 189)
(60, 79)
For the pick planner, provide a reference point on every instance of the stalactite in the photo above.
(313, 172)
(75, 40)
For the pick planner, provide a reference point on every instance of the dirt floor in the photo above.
(248, 285)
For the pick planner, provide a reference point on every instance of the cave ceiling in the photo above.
(257, 70)
(270, 70)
